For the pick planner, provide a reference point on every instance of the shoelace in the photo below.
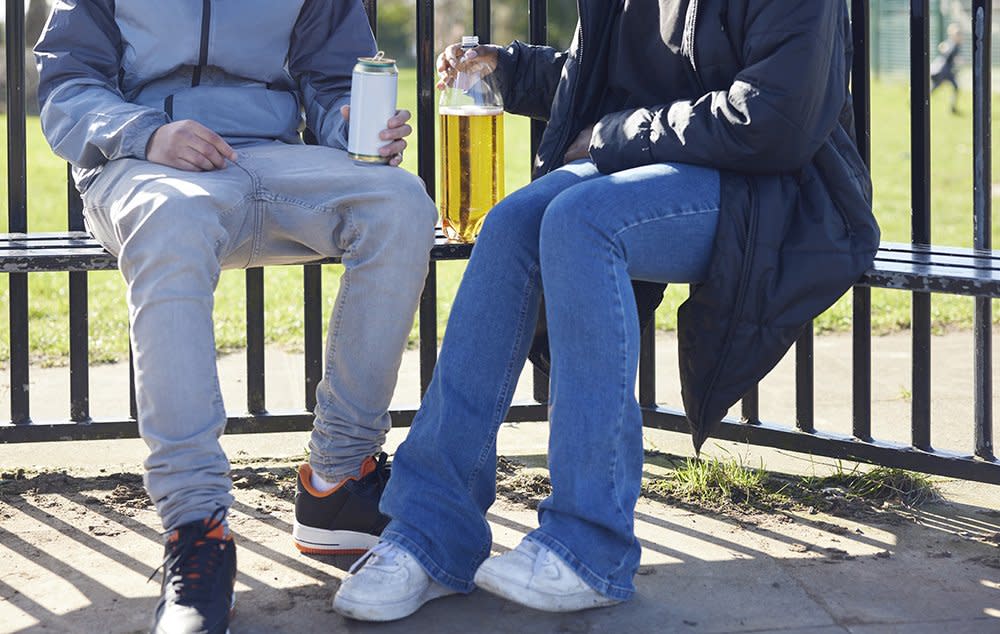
(185, 567)
(382, 471)
(382, 553)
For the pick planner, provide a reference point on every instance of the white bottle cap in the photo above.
(470, 41)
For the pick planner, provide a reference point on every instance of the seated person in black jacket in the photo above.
(707, 142)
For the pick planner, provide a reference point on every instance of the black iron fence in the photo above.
(802, 435)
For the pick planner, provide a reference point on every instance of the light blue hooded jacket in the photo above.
(113, 71)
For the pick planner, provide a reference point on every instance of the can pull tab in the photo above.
(379, 56)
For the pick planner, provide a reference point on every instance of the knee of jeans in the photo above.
(415, 213)
(513, 220)
(402, 232)
(572, 228)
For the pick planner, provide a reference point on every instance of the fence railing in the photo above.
(802, 435)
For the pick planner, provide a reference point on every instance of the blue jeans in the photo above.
(582, 236)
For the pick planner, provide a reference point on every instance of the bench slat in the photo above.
(954, 270)
(77, 251)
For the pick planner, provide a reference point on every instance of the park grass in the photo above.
(730, 484)
(951, 199)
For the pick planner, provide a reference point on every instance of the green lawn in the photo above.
(952, 201)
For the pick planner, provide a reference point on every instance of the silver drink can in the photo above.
(373, 102)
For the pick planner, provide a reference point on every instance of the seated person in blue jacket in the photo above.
(181, 120)
(698, 141)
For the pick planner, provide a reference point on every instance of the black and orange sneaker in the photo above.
(199, 572)
(344, 520)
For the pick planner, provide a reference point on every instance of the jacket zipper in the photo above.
(741, 292)
(687, 42)
(206, 22)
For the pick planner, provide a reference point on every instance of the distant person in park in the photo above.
(943, 66)
(708, 142)
(181, 120)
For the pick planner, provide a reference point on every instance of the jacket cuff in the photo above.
(135, 137)
(338, 136)
(622, 140)
(507, 58)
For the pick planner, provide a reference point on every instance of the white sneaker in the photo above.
(389, 585)
(532, 575)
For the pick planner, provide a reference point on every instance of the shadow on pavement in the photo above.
(76, 552)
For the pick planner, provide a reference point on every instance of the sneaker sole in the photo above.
(316, 541)
(382, 612)
(232, 612)
(508, 589)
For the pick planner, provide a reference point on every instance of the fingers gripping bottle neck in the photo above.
(471, 131)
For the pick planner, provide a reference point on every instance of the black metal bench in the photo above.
(911, 267)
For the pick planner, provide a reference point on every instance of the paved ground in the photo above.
(76, 547)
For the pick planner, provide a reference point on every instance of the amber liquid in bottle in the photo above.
(472, 175)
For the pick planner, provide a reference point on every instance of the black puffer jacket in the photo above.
(773, 112)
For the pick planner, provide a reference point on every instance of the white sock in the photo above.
(319, 483)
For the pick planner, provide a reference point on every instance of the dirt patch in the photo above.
(527, 486)
(128, 495)
(520, 485)
(276, 480)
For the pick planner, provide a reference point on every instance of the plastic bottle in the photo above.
(471, 130)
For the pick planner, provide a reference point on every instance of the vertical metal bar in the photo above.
(861, 333)
(804, 382)
(255, 341)
(750, 406)
(862, 359)
(79, 320)
(481, 24)
(74, 204)
(17, 181)
(920, 124)
(20, 412)
(647, 365)
(371, 8)
(133, 403)
(538, 33)
(426, 170)
(17, 210)
(861, 77)
(79, 353)
(428, 329)
(982, 120)
(425, 93)
(920, 232)
(312, 320)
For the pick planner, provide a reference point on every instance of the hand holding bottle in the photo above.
(481, 60)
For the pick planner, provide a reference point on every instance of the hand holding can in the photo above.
(373, 104)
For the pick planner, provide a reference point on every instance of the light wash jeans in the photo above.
(582, 236)
(173, 231)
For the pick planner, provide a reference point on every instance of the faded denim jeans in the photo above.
(174, 231)
(583, 236)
